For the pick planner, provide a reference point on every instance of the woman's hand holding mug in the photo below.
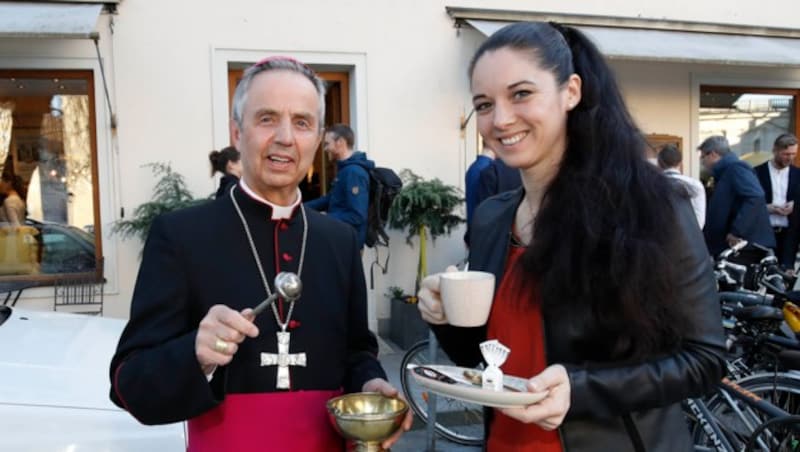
(429, 298)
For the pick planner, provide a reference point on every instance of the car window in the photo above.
(66, 250)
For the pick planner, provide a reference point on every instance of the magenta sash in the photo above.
(291, 421)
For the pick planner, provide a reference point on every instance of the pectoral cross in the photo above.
(283, 359)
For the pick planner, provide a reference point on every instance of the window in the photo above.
(751, 118)
(49, 221)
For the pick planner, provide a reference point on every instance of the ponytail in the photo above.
(219, 159)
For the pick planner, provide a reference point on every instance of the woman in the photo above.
(226, 161)
(13, 209)
(605, 292)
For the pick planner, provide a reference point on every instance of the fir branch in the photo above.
(425, 203)
(169, 193)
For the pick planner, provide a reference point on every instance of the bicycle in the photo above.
(458, 421)
(787, 429)
(738, 417)
(752, 412)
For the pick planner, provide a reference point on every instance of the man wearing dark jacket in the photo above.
(780, 180)
(348, 197)
(737, 209)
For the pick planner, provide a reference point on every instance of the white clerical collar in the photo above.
(278, 212)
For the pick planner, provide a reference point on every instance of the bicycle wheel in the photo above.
(456, 420)
(738, 421)
(780, 434)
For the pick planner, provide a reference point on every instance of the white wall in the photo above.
(163, 57)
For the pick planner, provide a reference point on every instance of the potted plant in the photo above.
(424, 208)
(405, 325)
(170, 193)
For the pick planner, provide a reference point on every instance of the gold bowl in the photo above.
(366, 418)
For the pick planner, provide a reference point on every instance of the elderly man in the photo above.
(737, 209)
(193, 348)
(780, 180)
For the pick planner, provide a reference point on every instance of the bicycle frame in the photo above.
(730, 391)
(702, 415)
(751, 399)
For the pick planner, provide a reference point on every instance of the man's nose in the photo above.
(284, 134)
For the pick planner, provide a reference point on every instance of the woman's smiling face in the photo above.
(522, 109)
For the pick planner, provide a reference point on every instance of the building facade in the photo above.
(82, 110)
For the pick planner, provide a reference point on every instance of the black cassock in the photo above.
(198, 257)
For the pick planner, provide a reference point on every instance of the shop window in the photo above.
(49, 221)
(751, 118)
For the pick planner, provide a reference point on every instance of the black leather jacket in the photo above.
(614, 406)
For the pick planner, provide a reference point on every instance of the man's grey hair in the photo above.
(273, 64)
(715, 143)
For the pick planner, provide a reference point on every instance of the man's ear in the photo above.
(235, 133)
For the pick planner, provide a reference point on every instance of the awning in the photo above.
(48, 20)
(681, 46)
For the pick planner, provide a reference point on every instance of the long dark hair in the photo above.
(599, 249)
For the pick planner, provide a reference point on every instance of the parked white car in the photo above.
(54, 388)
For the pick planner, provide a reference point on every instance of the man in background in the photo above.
(473, 177)
(472, 180)
(348, 198)
(669, 160)
(737, 209)
(780, 180)
(497, 178)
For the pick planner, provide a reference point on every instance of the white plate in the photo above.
(467, 391)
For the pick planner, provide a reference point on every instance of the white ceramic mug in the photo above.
(467, 297)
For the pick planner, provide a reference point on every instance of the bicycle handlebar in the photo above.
(746, 299)
(733, 250)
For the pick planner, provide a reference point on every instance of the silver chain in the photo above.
(258, 259)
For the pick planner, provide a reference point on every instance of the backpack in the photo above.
(384, 185)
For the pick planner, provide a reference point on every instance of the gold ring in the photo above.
(221, 346)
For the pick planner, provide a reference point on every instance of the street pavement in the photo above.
(414, 440)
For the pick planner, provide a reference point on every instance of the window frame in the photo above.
(748, 89)
(756, 80)
(794, 92)
(88, 75)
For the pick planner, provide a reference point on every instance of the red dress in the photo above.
(516, 322)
